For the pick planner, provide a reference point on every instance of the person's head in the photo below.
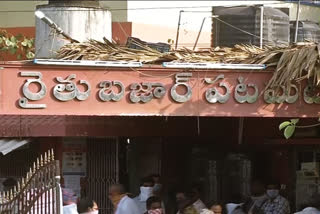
(146, 188)
(9, 183)
(116, 190)
(157, 188)
(87, 206)
(216, 208)
(147, 182)
(273, 189)
(69, 196)
(180, 196)
(257, 188)
(153, 203)
(156, 178)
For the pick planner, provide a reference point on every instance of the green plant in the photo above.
(19, 45)
(290, 126)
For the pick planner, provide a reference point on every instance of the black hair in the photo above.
(147, 179)
(84, 205)
(273, 183)
(151, 200)
(9, 182)
(179, 189)
(217, 203)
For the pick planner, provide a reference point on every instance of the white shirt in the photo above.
(199, 205)
(206, 211)
(231, 207)
(127, 206)
(70, 209)
(309, 210)
(142, 205)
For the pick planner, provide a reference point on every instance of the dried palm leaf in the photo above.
(293, 63)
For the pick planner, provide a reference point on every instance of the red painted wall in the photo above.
(121, 31)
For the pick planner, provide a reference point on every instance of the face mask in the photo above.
(156, 211)
(145, 193)
(157, 187)
(272, 193)
(92, 212)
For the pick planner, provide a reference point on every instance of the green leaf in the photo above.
(284, 124)
(13, 39)
(288, 132)
(8, 42)
(19, 56)
(294, 121)
(30, 55)
(30, 43)
(316, 100)
(12, 51)
(24, 43)
(4, 49)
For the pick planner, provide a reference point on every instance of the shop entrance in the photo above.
(223, 172)
(102, 170)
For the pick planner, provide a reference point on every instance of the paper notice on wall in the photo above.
(73, 182)
(74, 157)
(74, 162)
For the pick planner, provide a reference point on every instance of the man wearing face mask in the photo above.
(121, 202)
(276, 204)
(146, 191)
(258, 197)
(157, 188)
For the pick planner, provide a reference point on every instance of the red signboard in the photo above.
(148, 91)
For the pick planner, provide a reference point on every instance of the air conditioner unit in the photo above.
(310, 166)
(308, 171)
(304, 176)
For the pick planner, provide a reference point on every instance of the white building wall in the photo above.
(164, 14)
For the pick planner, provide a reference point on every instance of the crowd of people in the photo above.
(264, 199)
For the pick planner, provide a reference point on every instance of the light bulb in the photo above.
(39, 14)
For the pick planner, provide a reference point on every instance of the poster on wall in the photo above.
(74, 163)
(74, 156)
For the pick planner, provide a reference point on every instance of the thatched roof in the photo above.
(293, 63)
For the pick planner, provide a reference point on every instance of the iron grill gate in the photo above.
(103, 170)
